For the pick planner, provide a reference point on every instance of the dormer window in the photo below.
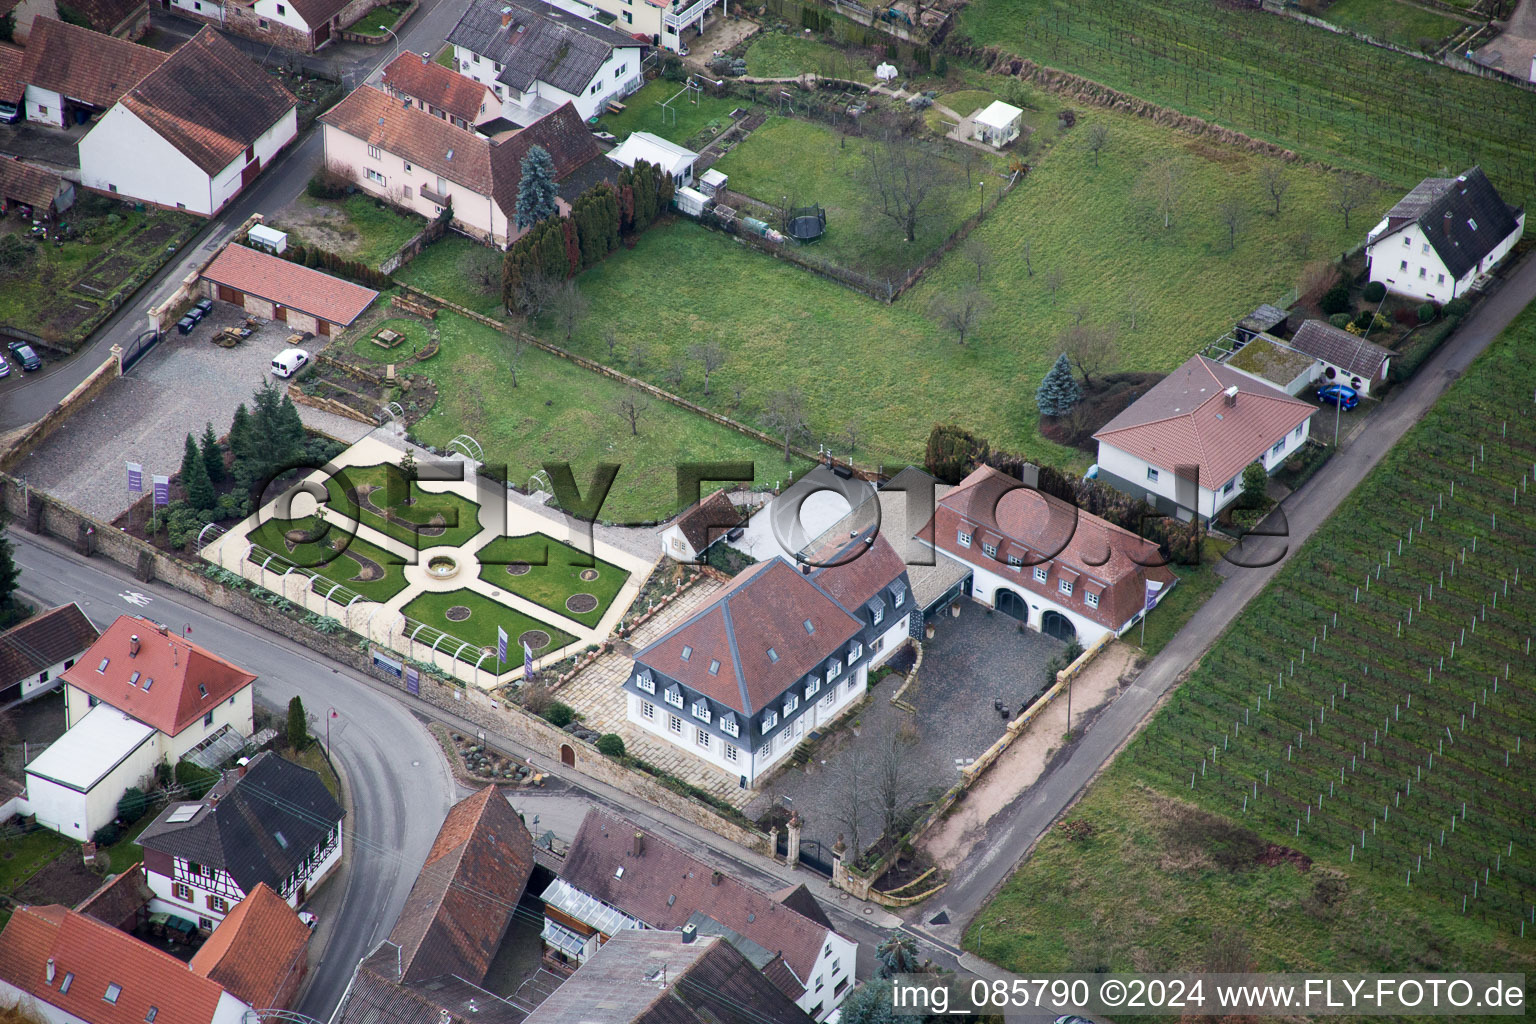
(645, 681)
(674, 696)
(854, 650)
(790, 704)
(1015, 561)
(701, 711)
(812, 684)
(770, 719)
(876, 614)
(899, 598)
(687, 652)
(1041, 573)
(729, 726)
(1065, 585)
(834, 669)
(963, 538)
(990, 550)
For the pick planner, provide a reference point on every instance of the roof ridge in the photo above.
(730, 641)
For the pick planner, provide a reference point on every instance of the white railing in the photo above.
(688, 15)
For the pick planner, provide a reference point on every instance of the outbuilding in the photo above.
(270, 286)
(998, 125)
(73, 787)
(674, 161)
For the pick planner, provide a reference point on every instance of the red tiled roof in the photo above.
(255, 949)
(50, 637)
(1185, 421)
(119, 901)
(210, 101)
(289, 284)
(664, 887)
(462, 902)
(707, 522)
(95, 956)
(411, 75)
(187, 680)
(12, 88)
(1049, 533)
(855, 581)
(84, 65)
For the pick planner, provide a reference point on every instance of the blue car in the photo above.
(1341, 395)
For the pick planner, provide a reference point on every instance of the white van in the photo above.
(289, 362)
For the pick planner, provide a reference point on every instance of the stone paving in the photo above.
(598, 694)
(183, 383)
(971, 661)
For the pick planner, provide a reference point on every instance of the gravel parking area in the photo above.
(183, 383)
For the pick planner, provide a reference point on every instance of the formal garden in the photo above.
(553, 575)
(387, 498)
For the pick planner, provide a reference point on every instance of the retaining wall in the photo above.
(85, 392)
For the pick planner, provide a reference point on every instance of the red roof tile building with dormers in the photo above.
(1038, 558)
(92, 972)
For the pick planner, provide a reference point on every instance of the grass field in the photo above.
(1399, 117)
(479, 630)
(1378, 736)
(343, 566)
(416, 338)
(554, 576)
(894, 372)
(778, 55)
(377, 20)
(1402, 23)
(441, 270)
(687, 119)
(561, 412)
(808, 163)
(443, 518)
(358, 227)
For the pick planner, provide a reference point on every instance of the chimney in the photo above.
(689, 932)
(714, 878)
(133, 646)
(506, 16)
(639, 844)
(51, 970)
(426, 57)
(242, 765)
(1231, 394)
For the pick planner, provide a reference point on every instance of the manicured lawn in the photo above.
(359, 227)
(685, 119)
(358, 566)
(894, 372)
(57, 292)
(377, 20)
(808, 163)
(446, 59)
(966, 102)
(479, 629)
(779, 55)
(446, 269)
(1196, 584)
(416, 334)
(561, 412)
(554, 576)
(1401, 23)
(444, 518)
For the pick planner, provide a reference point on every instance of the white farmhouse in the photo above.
(34, 653)
(1443, 238)
(193, 132)
(71, 74)
(536, 57)
(1183, 445)
(674, 161)
(701, 527)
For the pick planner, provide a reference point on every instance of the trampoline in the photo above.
(806, 223)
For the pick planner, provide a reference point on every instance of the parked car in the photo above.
(5, 367)
(10, 113)
(186, 323)
(203, 307)
(289, 362)
(25, 358)
(1341, 395)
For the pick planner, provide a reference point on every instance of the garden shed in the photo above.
(998, 125)
(673, 159)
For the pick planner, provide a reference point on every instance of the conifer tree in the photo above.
(194, 477)
(536, 188)
(213, 455)
(1058, 392)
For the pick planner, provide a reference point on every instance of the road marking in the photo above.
(133, 597)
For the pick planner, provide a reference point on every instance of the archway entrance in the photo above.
(1059, 626)
(1010, 603)
(567, 755)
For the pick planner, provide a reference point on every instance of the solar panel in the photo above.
(183, 813)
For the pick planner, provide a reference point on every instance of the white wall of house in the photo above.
(619, 76)
(38, 683)
(635, 16)
(229, 1010)
(985, 585)
(123, 155)
(831, 979)
(1408, 265)
(885, 645)
(282, 12)
(200, 8)
(45, 106)
(192, 901)
(226, 184)
(675, 545)
(235, 711)
(78, 815)
(1134, 470)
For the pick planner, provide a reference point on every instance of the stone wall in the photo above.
(84, 393)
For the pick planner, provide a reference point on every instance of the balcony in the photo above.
(688, 15)
(440, 198)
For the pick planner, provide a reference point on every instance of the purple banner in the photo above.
(1153, 587)
(135, 478)
(412, 681)
(501, 646)
(162, 490)
(527, 661)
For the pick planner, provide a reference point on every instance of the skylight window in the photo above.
(714, 667)
(133, 680)
(202, 691)
(113, 991)
(148, 683)
(687, 652)
(809, 627)
(151, 1014)
(102, 668)
(773, 655)
(619, 871)
(1471, 223)
(282, 840)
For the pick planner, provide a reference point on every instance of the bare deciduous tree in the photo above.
(893, 779)
(631, 407)
(851, 434)
(1275, 182)
(850, 796)
(904, 176)
(1080, 313)
(673, 378)
(960, 311)
(1135, 307)
(513, 346)
(1029, 270)
(978, 252)
(711, 356)
(1164, 185)
(785, 414)
(1349, 192)
(570, 307)
(1054, 279)
(534, 294)
(1091, 348)
(1096, 139)
(639, 352)
(611, 340)
(1232, 214)
(481, 267)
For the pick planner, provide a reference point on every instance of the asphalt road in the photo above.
(1014, 831)
(26, 398)
(398, 783)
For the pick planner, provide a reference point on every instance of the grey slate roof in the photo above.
(259, 827)
(1464, 220)
(540, 43)
(1322, 340)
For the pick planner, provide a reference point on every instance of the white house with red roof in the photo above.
(69, 968)
(1183, 445)
(1042, 560)
(782, 651)
(142, 695)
